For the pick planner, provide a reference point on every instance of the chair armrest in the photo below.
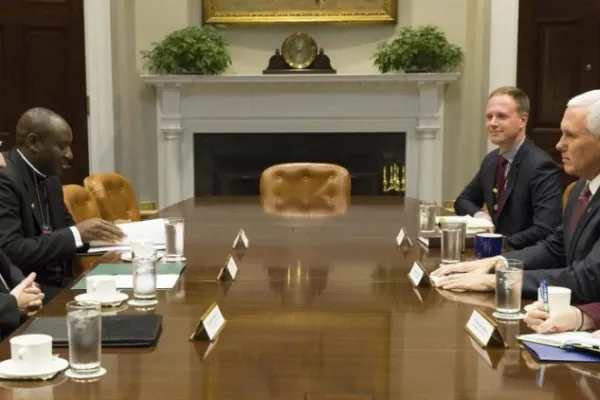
(145, 214)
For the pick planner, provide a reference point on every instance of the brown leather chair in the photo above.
(305, 189)
(82, 206)
(566, 193)
(115, 197)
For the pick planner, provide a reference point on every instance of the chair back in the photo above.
(305, 188)
(80, 203)
(114, 195)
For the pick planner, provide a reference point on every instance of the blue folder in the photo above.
(545, 353)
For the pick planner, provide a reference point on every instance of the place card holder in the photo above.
(229, 271)
(211, 324)
(402, 239)
(241, 241)
(484, 330)
(418, 276)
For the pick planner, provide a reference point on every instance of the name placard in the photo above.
(229, 271)
(491, 358)
(402, 239)
(484, 330)
(418, 276)
(241, 240)
(211, 324)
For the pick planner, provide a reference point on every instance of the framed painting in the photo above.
(293, 11)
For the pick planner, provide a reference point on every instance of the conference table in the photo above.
(322, 308)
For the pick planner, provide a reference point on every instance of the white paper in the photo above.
(472, 223)
(560, 339)
(151, 229)
(166, 281)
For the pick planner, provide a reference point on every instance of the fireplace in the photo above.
(230, 164)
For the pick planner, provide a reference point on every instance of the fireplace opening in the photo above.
(230, 164)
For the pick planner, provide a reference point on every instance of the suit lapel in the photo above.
(586, 215)
(26, 175)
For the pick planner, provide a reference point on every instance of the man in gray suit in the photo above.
(570, 256)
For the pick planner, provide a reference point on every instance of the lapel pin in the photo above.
(32, 206)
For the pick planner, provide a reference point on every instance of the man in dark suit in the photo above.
(569, 257)
(36, 230)
(519, 182)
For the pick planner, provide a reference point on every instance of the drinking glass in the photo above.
(174, 232)
(142, 248)
(84, 328)
(427, 214)
(509, 284)
(144, 281)
(452, 242)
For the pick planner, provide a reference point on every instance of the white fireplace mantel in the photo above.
(307, 103)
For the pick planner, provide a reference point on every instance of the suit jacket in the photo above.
(10, 317)
(567, 259)
(21, 235)
(532, 205)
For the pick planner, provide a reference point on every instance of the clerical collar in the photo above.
(40, 175)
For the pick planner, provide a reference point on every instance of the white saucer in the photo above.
(9, 370)
(107, 302)
(69, 373)
(127, 256)
(509, 317)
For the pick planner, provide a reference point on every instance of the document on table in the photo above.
(166, 281)
(152, 229)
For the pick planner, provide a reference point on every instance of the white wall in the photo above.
(141, 22)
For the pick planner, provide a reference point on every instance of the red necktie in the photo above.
(500, 182)
(582, 202)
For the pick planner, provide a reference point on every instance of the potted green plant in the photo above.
(192, 50)
(418, 49)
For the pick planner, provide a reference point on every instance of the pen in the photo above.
(544, 295)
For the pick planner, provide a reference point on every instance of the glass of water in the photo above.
(509, 284)
(452, 242)
(84, 327)
(144, 281)
(427, 214)
(142, 248)
(174, 230)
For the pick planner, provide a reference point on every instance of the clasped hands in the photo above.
(29, 296)
(470, 275)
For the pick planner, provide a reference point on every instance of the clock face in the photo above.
(299, 50)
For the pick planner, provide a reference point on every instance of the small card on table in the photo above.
(402, 239)
(241, 240)
(484, 330)
(229, 271)
(418, 276)
(211, 324)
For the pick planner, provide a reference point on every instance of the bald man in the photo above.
(36, 230)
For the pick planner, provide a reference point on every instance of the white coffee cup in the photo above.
(31, 352)
(559, 298)
(101, 287)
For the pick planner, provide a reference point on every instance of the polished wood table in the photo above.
(322, 309)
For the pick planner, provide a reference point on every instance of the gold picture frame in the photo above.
(294, 11)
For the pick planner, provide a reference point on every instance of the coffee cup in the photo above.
(32, 352)
(559, 298)
(488, 245)
(100, 287)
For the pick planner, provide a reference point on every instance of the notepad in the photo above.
(151, 229)
(545, 353)
(564, 340)
(473, 224)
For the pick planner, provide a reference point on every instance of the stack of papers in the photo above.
(564, 347)
(151, 229)
(166, 275)
(473, 224)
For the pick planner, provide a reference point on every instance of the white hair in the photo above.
(591, 100)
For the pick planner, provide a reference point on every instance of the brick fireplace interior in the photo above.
(230, 164)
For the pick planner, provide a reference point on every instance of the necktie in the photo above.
(582, 202)
(500, 182)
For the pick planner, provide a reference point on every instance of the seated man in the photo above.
(24, 299)
(569, 257)
(519, 183)
(36, 231)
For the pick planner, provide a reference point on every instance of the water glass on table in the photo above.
(174, 234)
(427, 214)
(509, 284)
(84, 328)
(452, 242)
(144, 282)
(142, 248)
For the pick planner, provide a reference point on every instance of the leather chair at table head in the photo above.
(115, 197)
(305, 189)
